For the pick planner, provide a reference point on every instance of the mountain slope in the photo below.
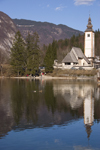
(46, 31)
(7, 33)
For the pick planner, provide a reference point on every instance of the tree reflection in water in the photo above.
(34, 103)
(24, 100)
(28, 103)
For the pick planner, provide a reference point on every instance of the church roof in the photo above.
(74, 55)
(80, 54)
(89, 25)
(70, 58)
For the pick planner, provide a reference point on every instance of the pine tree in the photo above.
(48, 60)
(29, 53)
(50, 56)
(54, 50)
(17, 54)
(32, 53)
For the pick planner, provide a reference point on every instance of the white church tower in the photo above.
(89, 45)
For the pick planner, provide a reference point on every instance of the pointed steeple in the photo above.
(88, 130)
(89, 25)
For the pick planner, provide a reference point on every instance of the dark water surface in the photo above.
(49, 115)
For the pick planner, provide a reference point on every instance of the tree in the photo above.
(54, 50)
(50, 56)
(48, 60)
(32, 53)
(17, 53)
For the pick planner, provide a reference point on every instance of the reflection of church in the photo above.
(74, 94)
(89, 113)
(77, 95)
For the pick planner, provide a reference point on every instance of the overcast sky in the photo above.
(73, 13)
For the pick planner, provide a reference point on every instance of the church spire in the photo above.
(89, 25)
(88, 130)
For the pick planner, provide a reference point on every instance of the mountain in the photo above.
(7, 33)
(46, 31)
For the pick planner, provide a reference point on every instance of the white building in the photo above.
(75, 58)
(89, 45)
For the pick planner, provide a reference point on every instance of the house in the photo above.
(75, 58)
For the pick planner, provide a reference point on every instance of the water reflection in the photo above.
(77, 95)
(28, 104)
(89, 113)
(74, 94)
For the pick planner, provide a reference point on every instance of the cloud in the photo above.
(48, 5)
(84, 2)
(60, 8)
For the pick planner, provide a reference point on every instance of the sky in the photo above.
(72, 13)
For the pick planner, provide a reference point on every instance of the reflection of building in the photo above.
(89, 113)
(89, 110)
(73, 94)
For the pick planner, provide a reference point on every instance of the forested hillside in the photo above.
(64, 46)
(97, 43)
(47, 31)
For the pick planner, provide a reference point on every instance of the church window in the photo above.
(88, 35)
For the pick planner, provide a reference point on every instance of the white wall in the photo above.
(88, 110)
(89, 44)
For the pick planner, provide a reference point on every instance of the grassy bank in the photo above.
(67, 72)
(7, 71)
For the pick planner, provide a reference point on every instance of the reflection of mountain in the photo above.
(59, 103)
(6, 118)
(21, 106)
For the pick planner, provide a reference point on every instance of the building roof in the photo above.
(70, 58)
(74, 55)
(89, 25)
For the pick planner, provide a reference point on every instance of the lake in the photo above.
(49, 115)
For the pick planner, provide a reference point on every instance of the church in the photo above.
(76, 58)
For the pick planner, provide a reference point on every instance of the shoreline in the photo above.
(52, 78)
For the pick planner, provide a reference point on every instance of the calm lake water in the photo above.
(49, 115)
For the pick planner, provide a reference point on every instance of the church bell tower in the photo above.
(89, 45)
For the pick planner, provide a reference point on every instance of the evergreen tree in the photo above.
(29, 52)
(48, 60)
(54, 50)
(17, 54)
(32, 53)
(51, 55)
